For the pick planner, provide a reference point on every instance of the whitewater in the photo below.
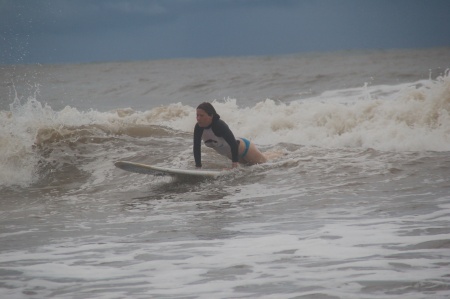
(356, 204)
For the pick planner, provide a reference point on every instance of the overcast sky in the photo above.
(66, 31)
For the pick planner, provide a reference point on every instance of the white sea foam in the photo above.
(411, 117)
(415, 118)
(343, 256)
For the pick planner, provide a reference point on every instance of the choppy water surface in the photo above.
(357, 205)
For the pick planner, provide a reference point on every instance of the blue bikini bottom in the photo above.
(247, 146)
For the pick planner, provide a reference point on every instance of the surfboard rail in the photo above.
(163, 171)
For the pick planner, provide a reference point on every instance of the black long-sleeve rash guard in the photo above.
(217, 136)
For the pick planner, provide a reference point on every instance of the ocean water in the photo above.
(356, 205)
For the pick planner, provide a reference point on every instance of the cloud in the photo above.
(65, 16)
(87, 30)
(148, 8)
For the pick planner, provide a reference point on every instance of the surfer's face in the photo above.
(203, 119)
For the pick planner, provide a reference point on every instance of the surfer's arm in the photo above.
(197, 145)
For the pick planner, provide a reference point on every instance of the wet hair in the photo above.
(209, 109)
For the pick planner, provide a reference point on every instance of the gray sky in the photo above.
(66, 31)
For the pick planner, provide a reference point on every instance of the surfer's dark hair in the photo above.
(209, 109)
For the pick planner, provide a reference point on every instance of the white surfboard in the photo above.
(161, 171)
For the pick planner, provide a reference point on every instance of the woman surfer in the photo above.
(217, 135)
